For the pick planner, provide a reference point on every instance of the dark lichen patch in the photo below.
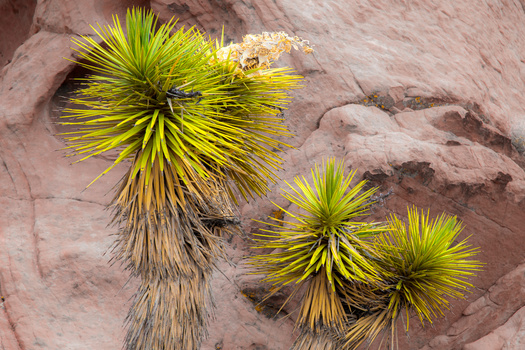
(518, 141)
(418, 103)
(420, 171)
(385, 102)
(378, 100)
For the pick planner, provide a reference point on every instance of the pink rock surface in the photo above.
(496, 319)
(17, 17)
(425, 164)
(424, 98)
(510, 336)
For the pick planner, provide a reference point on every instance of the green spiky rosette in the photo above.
(322, 246)
(424, 267)
(216, 123)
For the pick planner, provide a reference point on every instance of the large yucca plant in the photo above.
(322, 246)
(197, 121)
(170, 99)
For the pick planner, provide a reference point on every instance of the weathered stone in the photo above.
(17, 17)
(424, 98)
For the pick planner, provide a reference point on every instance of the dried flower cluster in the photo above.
(260, 50)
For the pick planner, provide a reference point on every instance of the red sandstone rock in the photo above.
(422, 97)
(510, 336)
(17, 17)
(495, 319)
(77, 17)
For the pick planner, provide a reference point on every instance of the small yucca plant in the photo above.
(197, 125)
(322, 246)
(360, 276)
(425, 266)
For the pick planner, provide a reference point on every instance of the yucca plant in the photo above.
(198, 122)
(425, 266)
(322, 246)
(358, 277)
